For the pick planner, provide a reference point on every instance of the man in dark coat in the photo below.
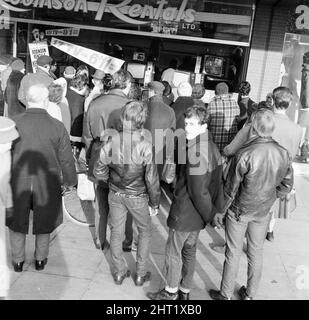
(182, 103)
(160, 116)
(103, 113)
(42, 163)
(197, 198)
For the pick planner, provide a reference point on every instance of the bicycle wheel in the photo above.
(78, 211)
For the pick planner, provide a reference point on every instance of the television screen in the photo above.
(213, 65)
(137, 70)
(180, 76)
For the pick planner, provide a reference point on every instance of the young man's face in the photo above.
(193, 127)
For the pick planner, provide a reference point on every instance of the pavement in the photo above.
(77, 270)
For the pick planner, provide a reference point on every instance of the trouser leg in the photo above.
(118, 214)
(138, 207)
(127, 243)
(234, 235)
(255, 241)
(102, 209)
(18, 243)
(188, 260)
(41, 246)
(173, 251)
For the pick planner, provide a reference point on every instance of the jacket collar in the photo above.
(255, 139)
(36, 110)
(204, 137)
(156, 98)
(117, 92)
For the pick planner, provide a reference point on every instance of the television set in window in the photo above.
(136, 69)
(213, 66)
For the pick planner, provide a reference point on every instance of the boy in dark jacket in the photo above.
(197, 198)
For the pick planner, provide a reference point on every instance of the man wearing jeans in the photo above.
(260, 172)
(126, 160)
(198, 196)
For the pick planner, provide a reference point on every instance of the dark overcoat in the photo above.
(42, 161)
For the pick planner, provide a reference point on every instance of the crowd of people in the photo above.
(227, 162)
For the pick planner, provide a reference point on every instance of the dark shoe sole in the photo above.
(40, 265)
(18, 267)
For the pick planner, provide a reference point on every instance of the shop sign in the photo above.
(93, 58)
(68, 32)
(36, 50)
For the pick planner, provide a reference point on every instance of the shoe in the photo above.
(243, 294)
(40, 264)
(118, 278)
(270, 236)
(18, 266)
(126, 249)
(162, 295)
(183, 296)
(140, 280)
(216, 295)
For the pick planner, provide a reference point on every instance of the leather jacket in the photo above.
(126, 161)
(260, 172)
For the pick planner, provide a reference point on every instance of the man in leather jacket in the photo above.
(260, 172)
(127, 163)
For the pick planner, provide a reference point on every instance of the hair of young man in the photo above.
(282, 97)
(121, 79)
(197, 112)
(263, 122)
(55, 93)
(135, 114)
(244, 88)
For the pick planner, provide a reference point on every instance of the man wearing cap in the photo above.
(8, 134)
(160, 117)
(42, 76)
(42, 163)
(224, 113)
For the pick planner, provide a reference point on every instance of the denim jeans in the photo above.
(119, 206)
(103, 208)
(180, 258)
(254, 229)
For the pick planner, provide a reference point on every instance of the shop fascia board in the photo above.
(141, 33)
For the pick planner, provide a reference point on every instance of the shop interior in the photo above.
(214, 62)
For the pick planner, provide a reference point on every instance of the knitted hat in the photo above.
(18, 65)
(221, 88)
(69, 72)
(8, 131)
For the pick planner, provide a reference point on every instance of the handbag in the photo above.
(85, 188)
(287, 205)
